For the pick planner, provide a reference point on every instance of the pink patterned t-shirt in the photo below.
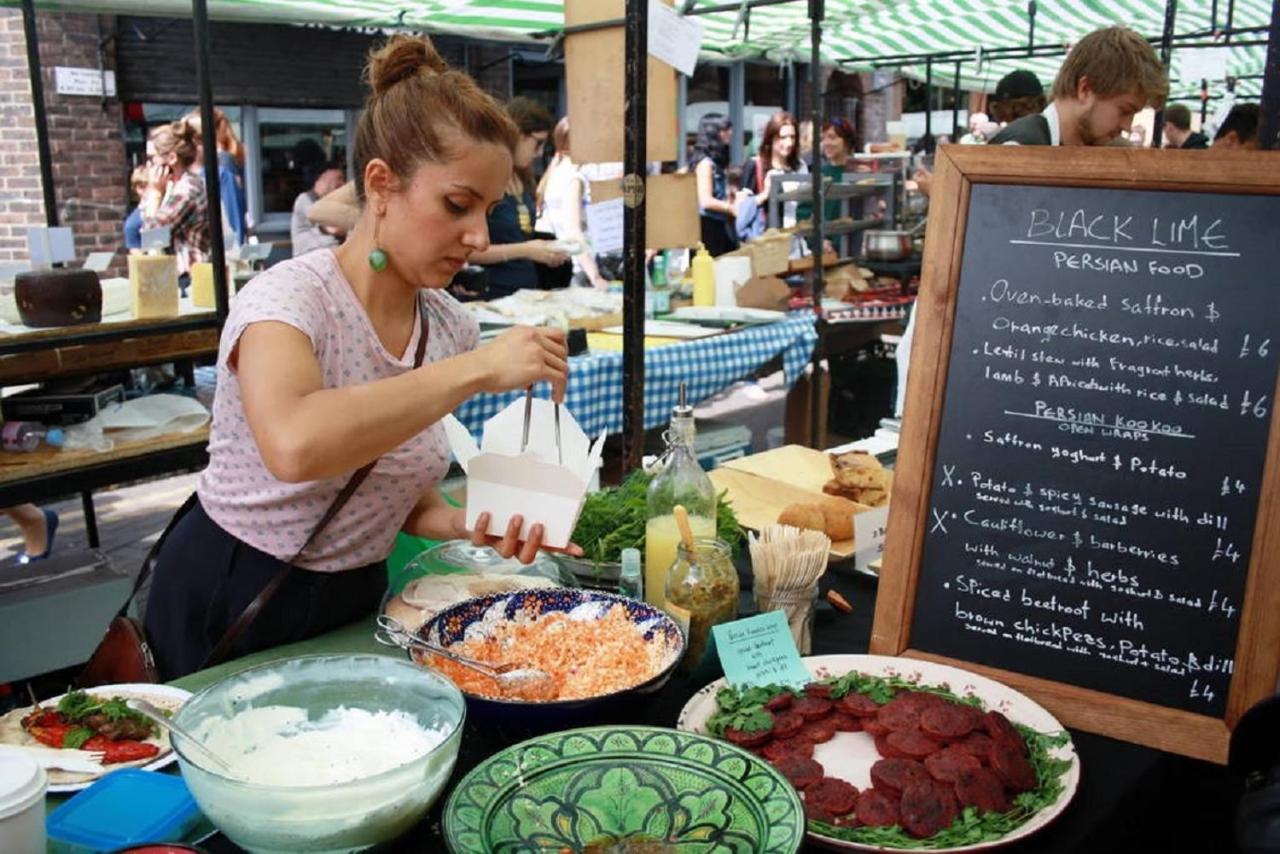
(238, 492)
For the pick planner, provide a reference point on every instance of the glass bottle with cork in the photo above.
(702, 589)
(679, 481)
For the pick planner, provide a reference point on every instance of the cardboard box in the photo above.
(771, 252)
(768, 292)
(505, 481)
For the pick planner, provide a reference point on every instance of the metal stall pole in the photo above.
(41, 117)
(928, 106)
(816, 11)
(1166, 55)
(955, 107)
(1031, 24)
(1204, 102)
(1269, 120)
(208, 133)
(633, 187)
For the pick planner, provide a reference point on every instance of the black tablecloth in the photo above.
(1130, 799)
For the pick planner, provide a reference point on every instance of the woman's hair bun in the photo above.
(400, 58)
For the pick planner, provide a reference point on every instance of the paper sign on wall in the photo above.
(760, 650)
(84, 81)
(604, 225)
(869, 529)
(674, 38)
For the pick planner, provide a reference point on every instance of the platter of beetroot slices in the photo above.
(911, 759)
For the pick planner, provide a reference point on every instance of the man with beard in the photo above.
(1108, 76)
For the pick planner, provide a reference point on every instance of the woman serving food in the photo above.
(346, 358)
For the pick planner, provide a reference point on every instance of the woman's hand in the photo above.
(510, 545)
(524, 355)
(546, 252)
(924, 181)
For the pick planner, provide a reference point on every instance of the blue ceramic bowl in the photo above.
(474, 617)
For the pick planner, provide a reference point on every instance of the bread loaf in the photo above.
(832, 516)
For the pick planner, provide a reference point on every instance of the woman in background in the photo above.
(514, 253)
(175, 197)
(779, 153)
(564, 193)
(230, 173)
(717, 208)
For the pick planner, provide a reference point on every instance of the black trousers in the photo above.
(204, 578)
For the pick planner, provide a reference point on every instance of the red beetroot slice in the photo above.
(811, 708)
(743, 738)
(947, 722)
(841, 722)
(780, 748)
(858, 705)
(1003, 732)
(982, 789)
(778, 703)
(817, 813)
(885, 749)
(833, 795)
(818, 689)
(912, 744)
(900, 714)
(877, 809)
(947, 765)
(897, 775)
(818, 732)
(1013, 769)
(800, 770)
(787, 724)
(920, 700)
(874, 727)
(979, 745)
(928, 808)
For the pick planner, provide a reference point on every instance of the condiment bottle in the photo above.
(630, 581)
(680, 480)
(704, 278)
(702, 591)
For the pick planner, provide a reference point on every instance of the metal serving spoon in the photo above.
(157, 716)
(516, 680)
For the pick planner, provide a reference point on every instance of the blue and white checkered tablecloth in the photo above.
(708, 365)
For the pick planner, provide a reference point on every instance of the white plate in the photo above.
(850, 755)
(164, 696)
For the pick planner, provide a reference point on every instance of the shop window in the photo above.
(297, 145)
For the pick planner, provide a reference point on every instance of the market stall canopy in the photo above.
(857, 32)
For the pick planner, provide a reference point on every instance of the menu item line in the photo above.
(1116, 424)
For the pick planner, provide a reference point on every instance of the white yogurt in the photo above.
(278, 746)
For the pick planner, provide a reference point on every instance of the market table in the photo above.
(1131, 799)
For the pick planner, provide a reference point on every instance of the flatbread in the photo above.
(11, 732)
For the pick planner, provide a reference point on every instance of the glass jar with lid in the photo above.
(702, 591)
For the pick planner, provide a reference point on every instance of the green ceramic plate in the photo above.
(601, 785)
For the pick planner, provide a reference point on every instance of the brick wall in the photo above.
(86, 138)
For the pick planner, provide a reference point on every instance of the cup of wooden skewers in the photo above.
(786, 563)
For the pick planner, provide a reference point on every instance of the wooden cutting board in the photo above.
(791, 464)
(757, 500)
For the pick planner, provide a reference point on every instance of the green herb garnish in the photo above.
(972, 827)
(78, 705)
(615, 519)
(75, 738)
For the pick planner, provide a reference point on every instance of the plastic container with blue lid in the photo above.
(126, 807)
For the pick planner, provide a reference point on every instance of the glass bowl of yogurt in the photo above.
(327, 752)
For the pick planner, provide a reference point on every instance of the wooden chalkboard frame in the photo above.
(1257, 661)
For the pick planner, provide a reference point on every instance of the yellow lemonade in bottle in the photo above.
(660, 539)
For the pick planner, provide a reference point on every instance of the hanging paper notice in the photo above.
(760, 650)
(1203, 63)
(604, 225)
(674, 38)
(869, 529)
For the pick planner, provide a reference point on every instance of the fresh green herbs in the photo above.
(75, 738)
(615, 519)
(735, 707)
(78, 705)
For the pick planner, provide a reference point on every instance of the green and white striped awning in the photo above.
(860, 30)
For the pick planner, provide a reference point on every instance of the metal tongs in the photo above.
(528, 415)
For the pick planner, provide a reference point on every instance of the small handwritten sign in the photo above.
(869, 528)
(84, 81)
(760, 650)
(605, 225)
(673, 38)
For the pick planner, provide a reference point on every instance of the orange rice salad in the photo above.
(586, 658)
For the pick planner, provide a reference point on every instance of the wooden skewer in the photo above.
(682, 522)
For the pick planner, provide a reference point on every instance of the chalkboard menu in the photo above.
(1082, 479)
(1100, 457)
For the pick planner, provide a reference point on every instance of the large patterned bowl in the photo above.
(480, 616)
(601, 785)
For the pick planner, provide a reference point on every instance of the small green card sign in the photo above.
(760, 651)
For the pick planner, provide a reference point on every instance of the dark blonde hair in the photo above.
(1117, 61)
(223, 133)
(176, 138)
(416, 100)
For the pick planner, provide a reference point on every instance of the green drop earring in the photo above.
(377, 257)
